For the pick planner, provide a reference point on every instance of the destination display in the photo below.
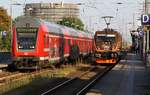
(101, 34)
(27, 30)
(110, 35)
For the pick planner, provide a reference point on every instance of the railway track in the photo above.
(93, 81)
(83, 90)
(9, 78)
(80, 84)
(73, 83)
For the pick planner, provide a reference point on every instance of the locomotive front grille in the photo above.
(106, 55)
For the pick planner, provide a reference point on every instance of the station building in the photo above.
(52, 12)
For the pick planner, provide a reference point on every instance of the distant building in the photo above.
(52, 11)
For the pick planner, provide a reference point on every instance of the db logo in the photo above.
(25, 53)
(146, 19)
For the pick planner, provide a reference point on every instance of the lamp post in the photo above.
(127, 28)
(11, 13)
(11, 17)
(95, 24)
(119, 3)
(117, 14)
(146, 32)
(90, 22)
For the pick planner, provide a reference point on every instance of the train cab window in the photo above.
(26, 38)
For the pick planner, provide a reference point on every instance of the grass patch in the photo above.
(30, 81)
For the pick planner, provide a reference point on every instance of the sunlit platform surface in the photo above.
(129, 77)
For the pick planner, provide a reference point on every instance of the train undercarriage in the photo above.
(106, 57)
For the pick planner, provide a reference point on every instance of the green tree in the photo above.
(4, 20)
(72, 22)
(4, 26)
(6, 42)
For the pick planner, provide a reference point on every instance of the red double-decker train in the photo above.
(36, 43)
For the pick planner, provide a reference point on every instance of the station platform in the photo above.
(129, 77)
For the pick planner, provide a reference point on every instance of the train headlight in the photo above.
(98, 55)
(31, 46)
(112, 55)
(115, 55)
(20, 47)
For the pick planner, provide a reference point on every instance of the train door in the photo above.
(50, 44)
(53, 47)
(61, 47)
(46, 45)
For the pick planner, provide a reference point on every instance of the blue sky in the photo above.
(93, 10)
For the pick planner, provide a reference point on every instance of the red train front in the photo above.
(36, 43)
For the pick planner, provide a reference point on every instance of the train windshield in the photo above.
(105, 38)
(26, 38)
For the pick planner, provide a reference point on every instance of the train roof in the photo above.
(23, 21)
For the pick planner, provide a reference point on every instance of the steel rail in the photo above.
(91, 83)
(48, 92)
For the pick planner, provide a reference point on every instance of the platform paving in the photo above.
(129, 77)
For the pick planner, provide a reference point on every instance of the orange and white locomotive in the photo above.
(107, 46)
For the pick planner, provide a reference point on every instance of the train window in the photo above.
(72, 32)
(77, 42)
(46, 41)
(62, 41)
(69, 42)
(27, 25)
(53, 28)
(26, 38)
(105, 38)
